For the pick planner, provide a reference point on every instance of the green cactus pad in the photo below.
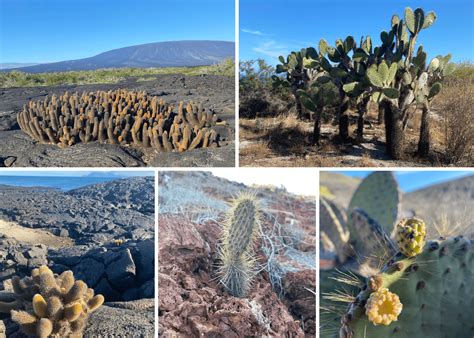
(436, 289)
(374, 77)
(370, 243)
(434, 90)
(378, 195)
(410, 19)
(391, 93)
(430, 18)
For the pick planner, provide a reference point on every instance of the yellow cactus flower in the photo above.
(383, 307)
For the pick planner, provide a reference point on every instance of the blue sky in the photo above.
(57, 30)
(269, 28)
(413, 180)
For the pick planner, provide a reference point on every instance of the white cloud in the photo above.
(271, 48)
(253, 32)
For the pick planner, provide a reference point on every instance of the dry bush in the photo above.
(366, 161)
(456, 105)
(257, 96)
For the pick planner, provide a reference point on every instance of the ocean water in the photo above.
(59, 182)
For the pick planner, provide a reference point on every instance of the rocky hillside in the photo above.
(93, 214)
(158, 54)
(103, 233)
(339, 185)
(449, 205)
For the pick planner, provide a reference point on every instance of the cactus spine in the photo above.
(236, 253)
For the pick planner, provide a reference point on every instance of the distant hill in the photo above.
(159, 54)
(448, 204)
(104, 174)
(340, 185)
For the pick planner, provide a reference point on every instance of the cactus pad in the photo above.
(411, 234)
(236, 252)
(378, 195)
(435, 287)
(119, 117)
(373, 246)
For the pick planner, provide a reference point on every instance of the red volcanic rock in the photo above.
(192, 303)
(301, 301)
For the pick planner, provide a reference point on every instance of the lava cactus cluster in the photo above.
(119, 117)
(51, 305)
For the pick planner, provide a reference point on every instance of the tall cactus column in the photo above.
(236, 254)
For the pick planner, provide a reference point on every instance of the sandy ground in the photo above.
(33, 236)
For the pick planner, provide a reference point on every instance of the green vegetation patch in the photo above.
(112, 75)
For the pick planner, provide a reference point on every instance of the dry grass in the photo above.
(366, 161)
(456, 107)
(286, 141)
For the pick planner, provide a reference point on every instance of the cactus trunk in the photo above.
(395, 138)
(299, 106)
(344, 117)
(424, 142)
(381, 116)
(363, 109)
(317, 125)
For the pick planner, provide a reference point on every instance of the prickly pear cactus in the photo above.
(53, 305)
(236, 253)
(376, 248)
(379, 196)
(428, 295)
(332, 220)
